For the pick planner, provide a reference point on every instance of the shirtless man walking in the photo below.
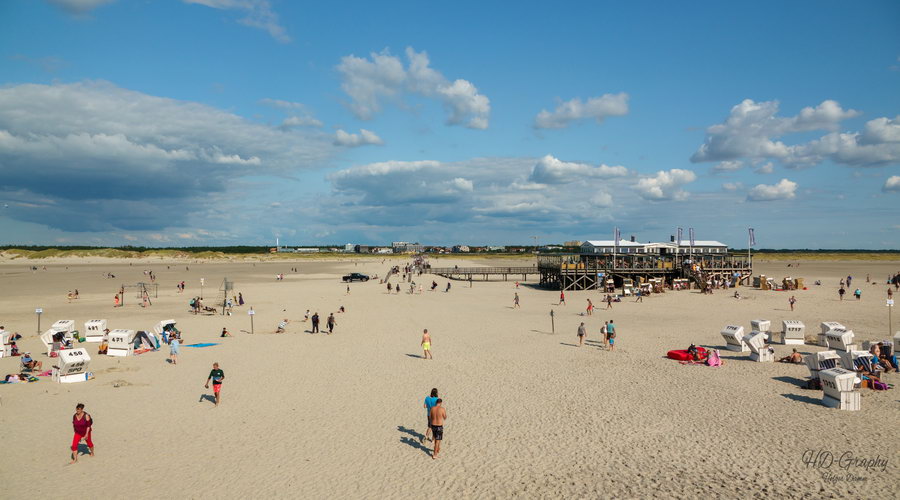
(438, 415)
(426, 344)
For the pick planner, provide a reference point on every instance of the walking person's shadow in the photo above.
(207, 397)
(415, 440)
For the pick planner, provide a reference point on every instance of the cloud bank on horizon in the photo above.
(284, 131)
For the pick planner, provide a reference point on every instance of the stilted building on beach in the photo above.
(603, 263)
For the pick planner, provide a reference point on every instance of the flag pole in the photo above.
(749, 244)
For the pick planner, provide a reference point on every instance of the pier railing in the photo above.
(484, 272)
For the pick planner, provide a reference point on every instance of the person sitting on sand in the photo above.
(795, 357)
(225, 333)
(878, 359)
(282, 326)
(737, 295)
(31, 364)
(887, 356)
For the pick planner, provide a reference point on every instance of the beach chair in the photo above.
(142, 338)
(849, 359)
(840, 339)
(826, 326)
(94, 330)
(760, 325)
(66, 327)
(161, 326)
(71, 366)
(839, 388)
(734, 338)
(47, 340)
(759, 351)
(5, 344)
(818, 361)
(121, 343)
(793, 332)
(764, 326)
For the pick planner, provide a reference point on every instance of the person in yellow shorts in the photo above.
(426, 344)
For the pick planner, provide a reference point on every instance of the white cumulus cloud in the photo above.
(602, 200)
(752, 129)
(485, 192)
(665, 185)
(783, 190)
(550, 170)
(363, 138)
(878, 145)
(892, 184)
(575, 109)
(383, 76)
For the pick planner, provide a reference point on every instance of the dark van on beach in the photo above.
(355, 277)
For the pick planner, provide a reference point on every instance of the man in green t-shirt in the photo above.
(217, 376)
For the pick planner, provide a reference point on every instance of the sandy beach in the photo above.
(530, 414)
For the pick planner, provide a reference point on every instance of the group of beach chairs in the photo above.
(839, 371)
(71, 363)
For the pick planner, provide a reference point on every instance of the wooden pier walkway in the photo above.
(485, 273)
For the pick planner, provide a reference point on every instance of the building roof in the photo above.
(703, 243)
(611, 243)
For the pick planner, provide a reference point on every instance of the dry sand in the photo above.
(530, 414)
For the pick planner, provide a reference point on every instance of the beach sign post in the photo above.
(39, 311)
(890, 305)
(202, 282)
(251, 313)
(552, 323)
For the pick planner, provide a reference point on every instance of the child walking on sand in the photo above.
(218, 377)
(173, 350)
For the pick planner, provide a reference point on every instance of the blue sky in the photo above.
(204, 122)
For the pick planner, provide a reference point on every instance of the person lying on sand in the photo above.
(282, 326)
(795, 357)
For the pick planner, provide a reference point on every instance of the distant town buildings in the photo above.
(407, 247)
(629, 246)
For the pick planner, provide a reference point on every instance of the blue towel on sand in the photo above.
(207, 344)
